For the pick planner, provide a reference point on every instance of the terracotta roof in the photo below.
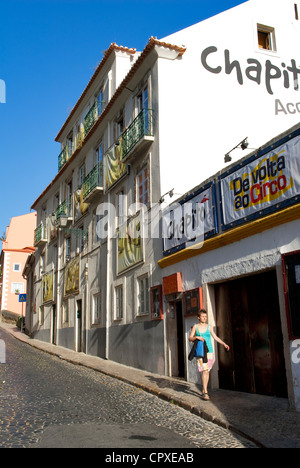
(179, 49)
(153, 41)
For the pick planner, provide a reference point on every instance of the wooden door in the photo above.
(248, 317)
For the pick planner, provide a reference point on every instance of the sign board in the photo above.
(172, 284)
(264, 182)
(190, 221)
(193, 301)
(22, 297)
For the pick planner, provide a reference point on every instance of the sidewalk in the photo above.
(266, 421)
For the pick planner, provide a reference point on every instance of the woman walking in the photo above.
(203, 332)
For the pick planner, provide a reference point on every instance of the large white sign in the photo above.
(263, 183)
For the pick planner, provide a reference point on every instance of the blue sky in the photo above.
(48, 51)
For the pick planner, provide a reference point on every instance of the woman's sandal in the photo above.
(205, 396)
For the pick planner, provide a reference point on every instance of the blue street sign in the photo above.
(22, 297)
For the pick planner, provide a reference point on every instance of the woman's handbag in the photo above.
(199, 351)
(192, 352)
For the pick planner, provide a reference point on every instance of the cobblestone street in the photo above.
(41, 395)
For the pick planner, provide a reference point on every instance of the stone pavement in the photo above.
(267, 421)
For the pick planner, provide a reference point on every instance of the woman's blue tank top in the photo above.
(207, 336)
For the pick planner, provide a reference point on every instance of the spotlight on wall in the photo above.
(170, 193)
(243, 144)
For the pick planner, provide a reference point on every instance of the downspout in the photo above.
(108, 301)
(86, 307)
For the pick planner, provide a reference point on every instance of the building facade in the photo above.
(18, 244)
(242, 264)
(103, 280)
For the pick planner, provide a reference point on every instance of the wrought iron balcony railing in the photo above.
(40, 235)
(93, 181)
(141, 127)
(90, 118)
(64, 211)
(63, 158)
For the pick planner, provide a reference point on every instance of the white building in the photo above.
(238, 78)
(149, 125)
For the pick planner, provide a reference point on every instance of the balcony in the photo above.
(139, 135)
(90, 118)
(62, 158)
(64, 214)
(93, 183)
(40, 237)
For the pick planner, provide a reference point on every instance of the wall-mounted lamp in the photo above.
(243, 144)
(170, 193)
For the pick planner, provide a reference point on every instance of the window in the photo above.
(266, 38)
(67, 249)
(143, 100)
(17, 267)
(69, 199)
(119, 302)
(100, 102)
(97, 227)
(99, 153)
(98, 161)
(143, 295)
(70, 144)
(17, 288)
(143, 106)
(65, 314)
(55, 257)
(81, 175)
(81, 238)
(118, 126)
(142, 186)
(41, 315)
(56, 203)
(120, 208)
(96, 317)
(42, 264)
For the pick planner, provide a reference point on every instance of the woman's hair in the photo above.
(201, 311)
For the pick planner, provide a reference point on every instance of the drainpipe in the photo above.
(108, 301)
(86, 306)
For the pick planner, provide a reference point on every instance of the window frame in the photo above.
(270, 33)
(119, 301)
(97, 301)
(143, 295)
(140, 198)
(17, 286)
(17, 267)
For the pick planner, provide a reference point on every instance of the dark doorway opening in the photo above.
(180, 339)
(248, 318)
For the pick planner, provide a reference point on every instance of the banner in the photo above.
(72, 277)
(262, 184)
(114, 166)
(129, 244)
(80, 208)
(187, 224)
(48, 287)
